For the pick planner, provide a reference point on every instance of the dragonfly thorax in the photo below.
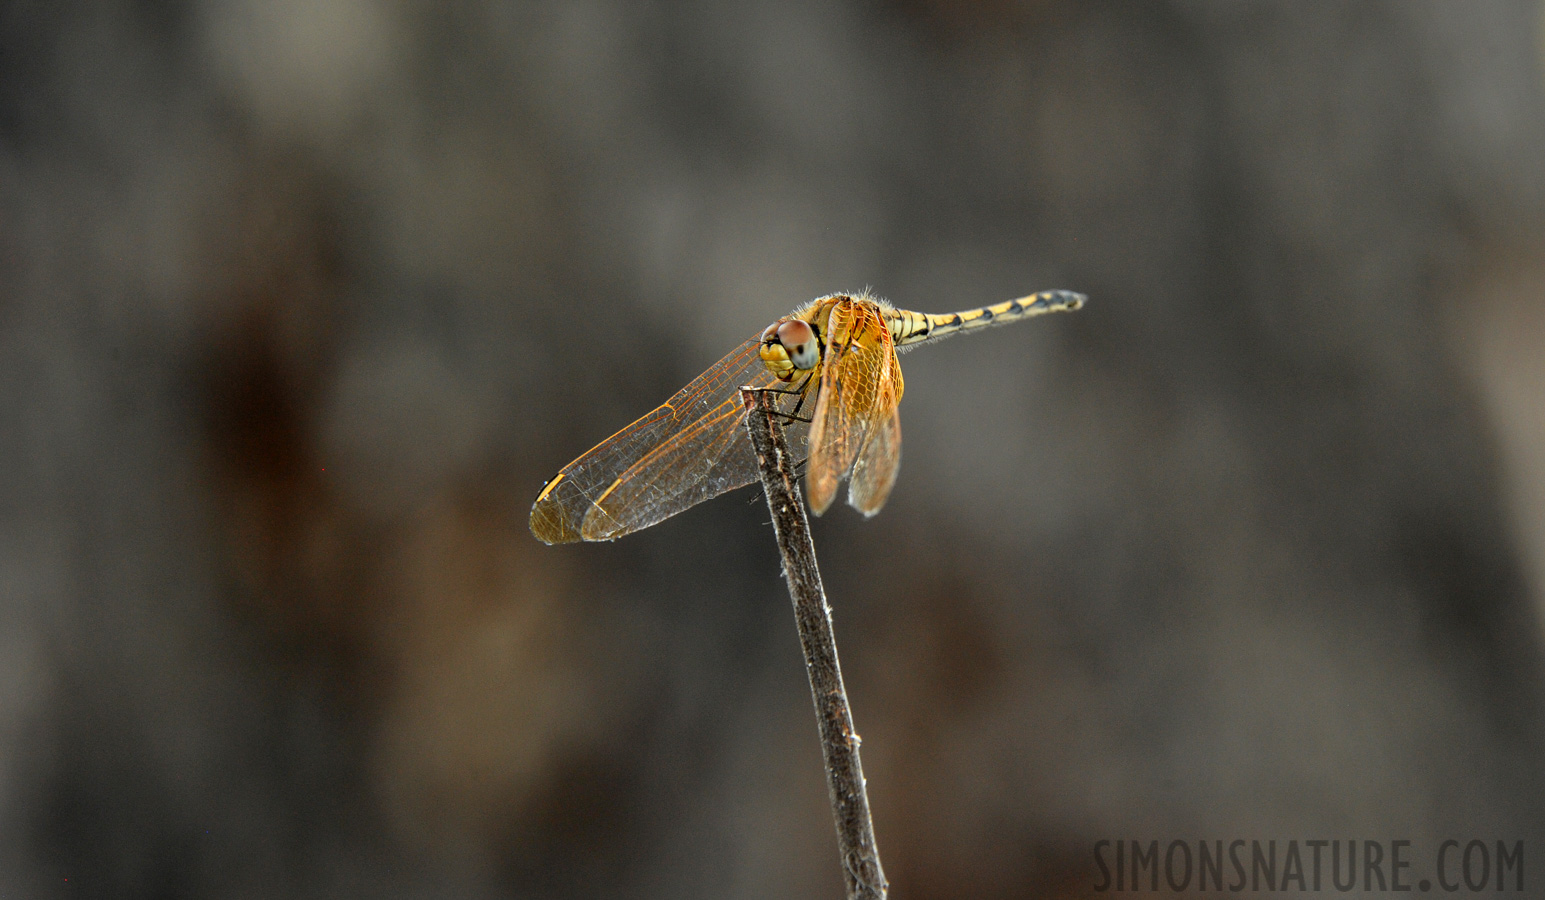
(790, 347)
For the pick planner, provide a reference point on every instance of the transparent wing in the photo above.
(689, 449)
(855, 397)
(874, 473)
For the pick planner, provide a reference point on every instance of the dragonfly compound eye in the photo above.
(798, 338)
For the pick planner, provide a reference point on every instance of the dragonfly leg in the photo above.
(798, 390)
(803, 396)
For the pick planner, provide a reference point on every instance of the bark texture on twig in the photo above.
(839, 742)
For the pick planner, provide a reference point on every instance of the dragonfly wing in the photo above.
(702, 461)
(859, 360)
(680, 454)
(699, 462)
(874, 473)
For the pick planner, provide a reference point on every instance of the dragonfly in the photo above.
(832, 369)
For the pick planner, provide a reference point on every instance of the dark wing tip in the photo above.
(548, 523)
(550, 526)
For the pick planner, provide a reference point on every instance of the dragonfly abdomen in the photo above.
(909, 327)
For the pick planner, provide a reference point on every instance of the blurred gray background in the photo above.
(301, 302)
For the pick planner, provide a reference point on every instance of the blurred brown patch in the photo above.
(941, 668)
(302, 560)
(433, 624)
(486, 694)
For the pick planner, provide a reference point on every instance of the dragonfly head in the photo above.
(789, 347)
